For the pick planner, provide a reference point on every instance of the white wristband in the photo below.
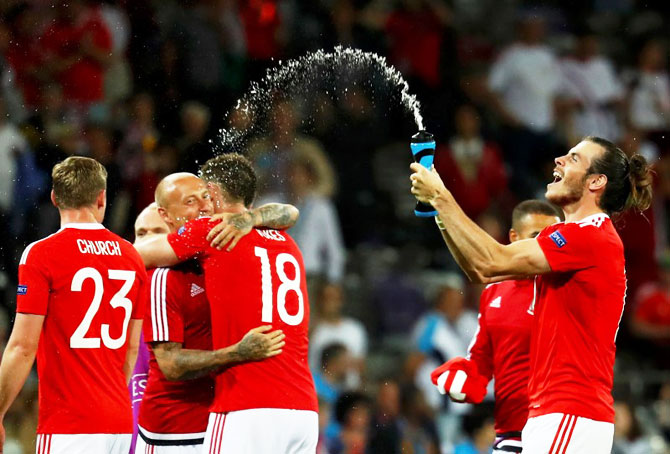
(440, 224)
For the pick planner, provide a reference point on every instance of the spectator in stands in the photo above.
(628, 434)
(194, 150)
(641, 233)
(197, 39)
(325, 411)
(594, 90)
(419, 432)
(272, 156)
(141, 136)
(317, 232)
(478, 427)
(24, 52)
(334, 327)
(397, 299)
(447, 330)
(416, 32)
(386, 424)
(471, 167)
(78, 49)
(353, 415)
(525, 81)
(649, 85)
(443, 333)
(662, 410)
(330, 379)
(651, 313)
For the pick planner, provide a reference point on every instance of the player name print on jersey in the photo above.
(99, 247)
(271, 235)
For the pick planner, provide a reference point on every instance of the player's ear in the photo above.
(163, 214)
(597, 182)
(101, 201)
(53, 199)
(513, 236)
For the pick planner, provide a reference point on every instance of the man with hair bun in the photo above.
(79, 311)
(581, 286)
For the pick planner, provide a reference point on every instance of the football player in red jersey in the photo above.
(500, 348)
(175, 408)
(259, 407)
(79, 309)
(581, 285)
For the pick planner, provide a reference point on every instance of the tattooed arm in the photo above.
(234, 226)
(179, 363)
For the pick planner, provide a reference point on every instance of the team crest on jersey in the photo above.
(196, 289)
(22, 290)
(557, 238)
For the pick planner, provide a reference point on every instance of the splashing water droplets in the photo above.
(305, 76)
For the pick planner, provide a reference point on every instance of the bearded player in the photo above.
(79, 309)
(500, 348)
(260, 407)
(581, 286)
(175, 407)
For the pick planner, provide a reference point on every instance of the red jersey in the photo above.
(176, 310)
(501, 348)
(261, 281)
(88, 283)
(579, 307)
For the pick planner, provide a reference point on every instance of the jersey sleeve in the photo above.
(163, 320)
(480, 350)
(34, 284)
(191, 240)
(142, 294)
(570, 247)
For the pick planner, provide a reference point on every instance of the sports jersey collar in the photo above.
(83, 226)
(591, 218)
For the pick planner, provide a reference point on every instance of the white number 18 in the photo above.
(287, 285)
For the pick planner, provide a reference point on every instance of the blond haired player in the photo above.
(79, 310)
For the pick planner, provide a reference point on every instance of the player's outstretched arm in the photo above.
(156, 251)
(178, 363)
(17, 360)
(483, 254)
(234, 226)
(134, 330)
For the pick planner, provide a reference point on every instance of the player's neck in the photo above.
(81, 216)
(580, 210)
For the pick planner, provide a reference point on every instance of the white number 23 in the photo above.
(79, 339)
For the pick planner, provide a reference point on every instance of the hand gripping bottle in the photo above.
(423, 149)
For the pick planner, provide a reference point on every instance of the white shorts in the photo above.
(83, 443)
(558, 433)
(141, 447)
(262, 431)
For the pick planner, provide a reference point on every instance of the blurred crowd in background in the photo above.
(143, 86)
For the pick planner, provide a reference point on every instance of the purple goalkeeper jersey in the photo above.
(138, 382)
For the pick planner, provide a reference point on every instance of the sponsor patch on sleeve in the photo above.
(557, 238)
(22, 290)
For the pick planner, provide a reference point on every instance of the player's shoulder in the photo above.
(38, 248)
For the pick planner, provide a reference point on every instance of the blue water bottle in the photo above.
(423, 150)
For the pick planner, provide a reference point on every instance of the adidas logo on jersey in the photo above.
(196, 290)
(496, 302)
